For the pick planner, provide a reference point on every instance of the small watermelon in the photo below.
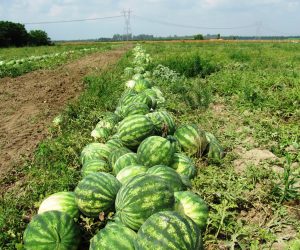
(94, 151)
(101, 134)
(61, 201)
(193, 206)
(156, 150)
(108, 121)
(163, 122)
(114, 143)
(116, 154)
(169, 230)
(127, 173)
(96, 193)
(160, 100)
(134, 129)
(135, 109)
(192, 140)
(142, 98)
(184, 165)
(93, 166)
(215, 150)
(52, 230)
(152, 94)
(141, 197)
(169, 175)
(113, 236)
(125, 161)
(141, 85)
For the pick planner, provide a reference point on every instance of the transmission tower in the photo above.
(127, 27)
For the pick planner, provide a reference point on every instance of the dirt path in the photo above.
(29, 103)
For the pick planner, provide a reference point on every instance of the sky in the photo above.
(243, 17)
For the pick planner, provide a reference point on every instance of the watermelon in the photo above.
(169, 175)
(127, 98)
(184, 165)
(137, 77)
(94, 151)
(116, 154)
(152, 94)
(61, 201)
(163, 122)
(214, 150)
(96, 193)
(114, 143)
(101, 134)
(125, 161)
(108, 121)
(135, 109)
(141, 197)
(160, 100)
(193, 206)
(93, 166)
(155, 150)
(52, 230)
(142, 98)
(127, 173)
(169, 230)
(134, 129)
(113, 236)
(141, 84)
(192, 140)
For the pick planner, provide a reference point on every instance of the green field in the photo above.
(246, 94)
(18, 61)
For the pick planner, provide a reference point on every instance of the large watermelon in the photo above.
(141, 197)
(96, 193)
(169, 175)
(214, 150)
(93, 166)
(113, 236)
(169, 230)
(134, 129)
(155, 150)
(127, 173)
(142, 98)
(191, 205)
(192, 140)
(61, 201)
(184, 165)
(163, 122)
(114, 143)
(116, 154)
(52, 230)
(94, 151)
(125, 161)
(135, 109)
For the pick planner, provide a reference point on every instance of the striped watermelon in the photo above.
(93, 166)
(125, 161)
(160, 100)
(163, 122)
(52, 230)
(108, 121)
(141, 197)
(127, 173)
(61, 201)
(116, 154)
(127, 97)
(215, 150)
(96, 193)
(141, 84)
(169, 230)
(142, 98)
(114, 143)
(155, 150)
(169, 175)
(152, 94)
(191, 205)
(101, 134)
(184, 165)
(113, 236)
(192, 140)
(94, 151)
(135, 109)
(134, 129)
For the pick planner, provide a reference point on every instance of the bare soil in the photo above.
(30, 102)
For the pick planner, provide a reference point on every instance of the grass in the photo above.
(65, 53)
(247, 94)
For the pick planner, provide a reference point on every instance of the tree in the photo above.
(38, 37)
(199, 37)
(12, 34)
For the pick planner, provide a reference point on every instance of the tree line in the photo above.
(15, 34)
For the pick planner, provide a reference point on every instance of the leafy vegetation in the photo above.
(247, 94)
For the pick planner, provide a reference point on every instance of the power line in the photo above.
(73, 20)
(193, 26)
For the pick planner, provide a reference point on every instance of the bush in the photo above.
(38, 38)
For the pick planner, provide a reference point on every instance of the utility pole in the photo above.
(127, 22)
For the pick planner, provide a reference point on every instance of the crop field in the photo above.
(245, 94)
